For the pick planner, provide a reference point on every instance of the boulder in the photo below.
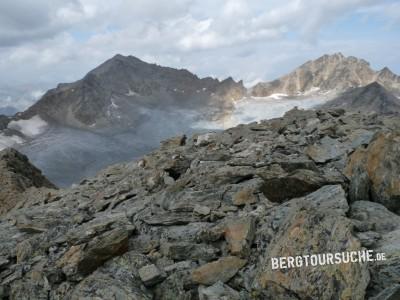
(374, 171)
(240, 234)
(84, 258)
(327, 149)
(150, 275)
(316, 224)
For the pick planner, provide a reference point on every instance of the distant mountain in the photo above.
(371, 98)
(117, 92)
(4, 120)
(8, 111)
(328, 73)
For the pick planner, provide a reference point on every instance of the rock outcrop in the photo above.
(202, 217)
(18, 178)
(328, 73)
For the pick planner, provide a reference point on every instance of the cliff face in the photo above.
(328, 73)
(201, 217)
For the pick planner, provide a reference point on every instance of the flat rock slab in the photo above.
(221, 270)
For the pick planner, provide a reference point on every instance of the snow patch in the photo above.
(31, 127)
(276, 96)
(113, 104)
(131, 93)
(112, 110)
(311, 91)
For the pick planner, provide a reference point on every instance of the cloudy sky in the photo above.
(44, 42)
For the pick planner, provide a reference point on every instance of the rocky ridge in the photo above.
(19, 179)
(118, 91)
(201, 217)
(371, 98)
(328, 73)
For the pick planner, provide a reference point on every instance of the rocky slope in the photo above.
(201, 217)
(328, 73)
(18, 180)
(116, 93)
(371, 98)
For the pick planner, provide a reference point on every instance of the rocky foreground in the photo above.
(201, 217)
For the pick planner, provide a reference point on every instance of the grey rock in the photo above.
(185, 250)
(326, 150)
(375, 216)
(390, 293)
(150, 275)
(218, 291)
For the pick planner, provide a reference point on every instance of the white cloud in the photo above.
(31, 127)
(54, 41)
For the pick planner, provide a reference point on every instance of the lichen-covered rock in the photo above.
(374, 171)
(316, 225)
(240, 234)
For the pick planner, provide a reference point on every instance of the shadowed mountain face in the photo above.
(371, 98)
(328, 73)
(115, 93)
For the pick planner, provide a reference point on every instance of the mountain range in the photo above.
(123, 108)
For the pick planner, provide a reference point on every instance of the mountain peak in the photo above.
(374, 85)
(338, 55)
(112, 93)
(334, 72)
(386, 72)
(370, 98)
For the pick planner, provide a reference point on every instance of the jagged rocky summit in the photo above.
(120, 91)
(201, 217)
(328, 73)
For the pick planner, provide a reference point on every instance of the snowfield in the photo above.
(255, 109)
